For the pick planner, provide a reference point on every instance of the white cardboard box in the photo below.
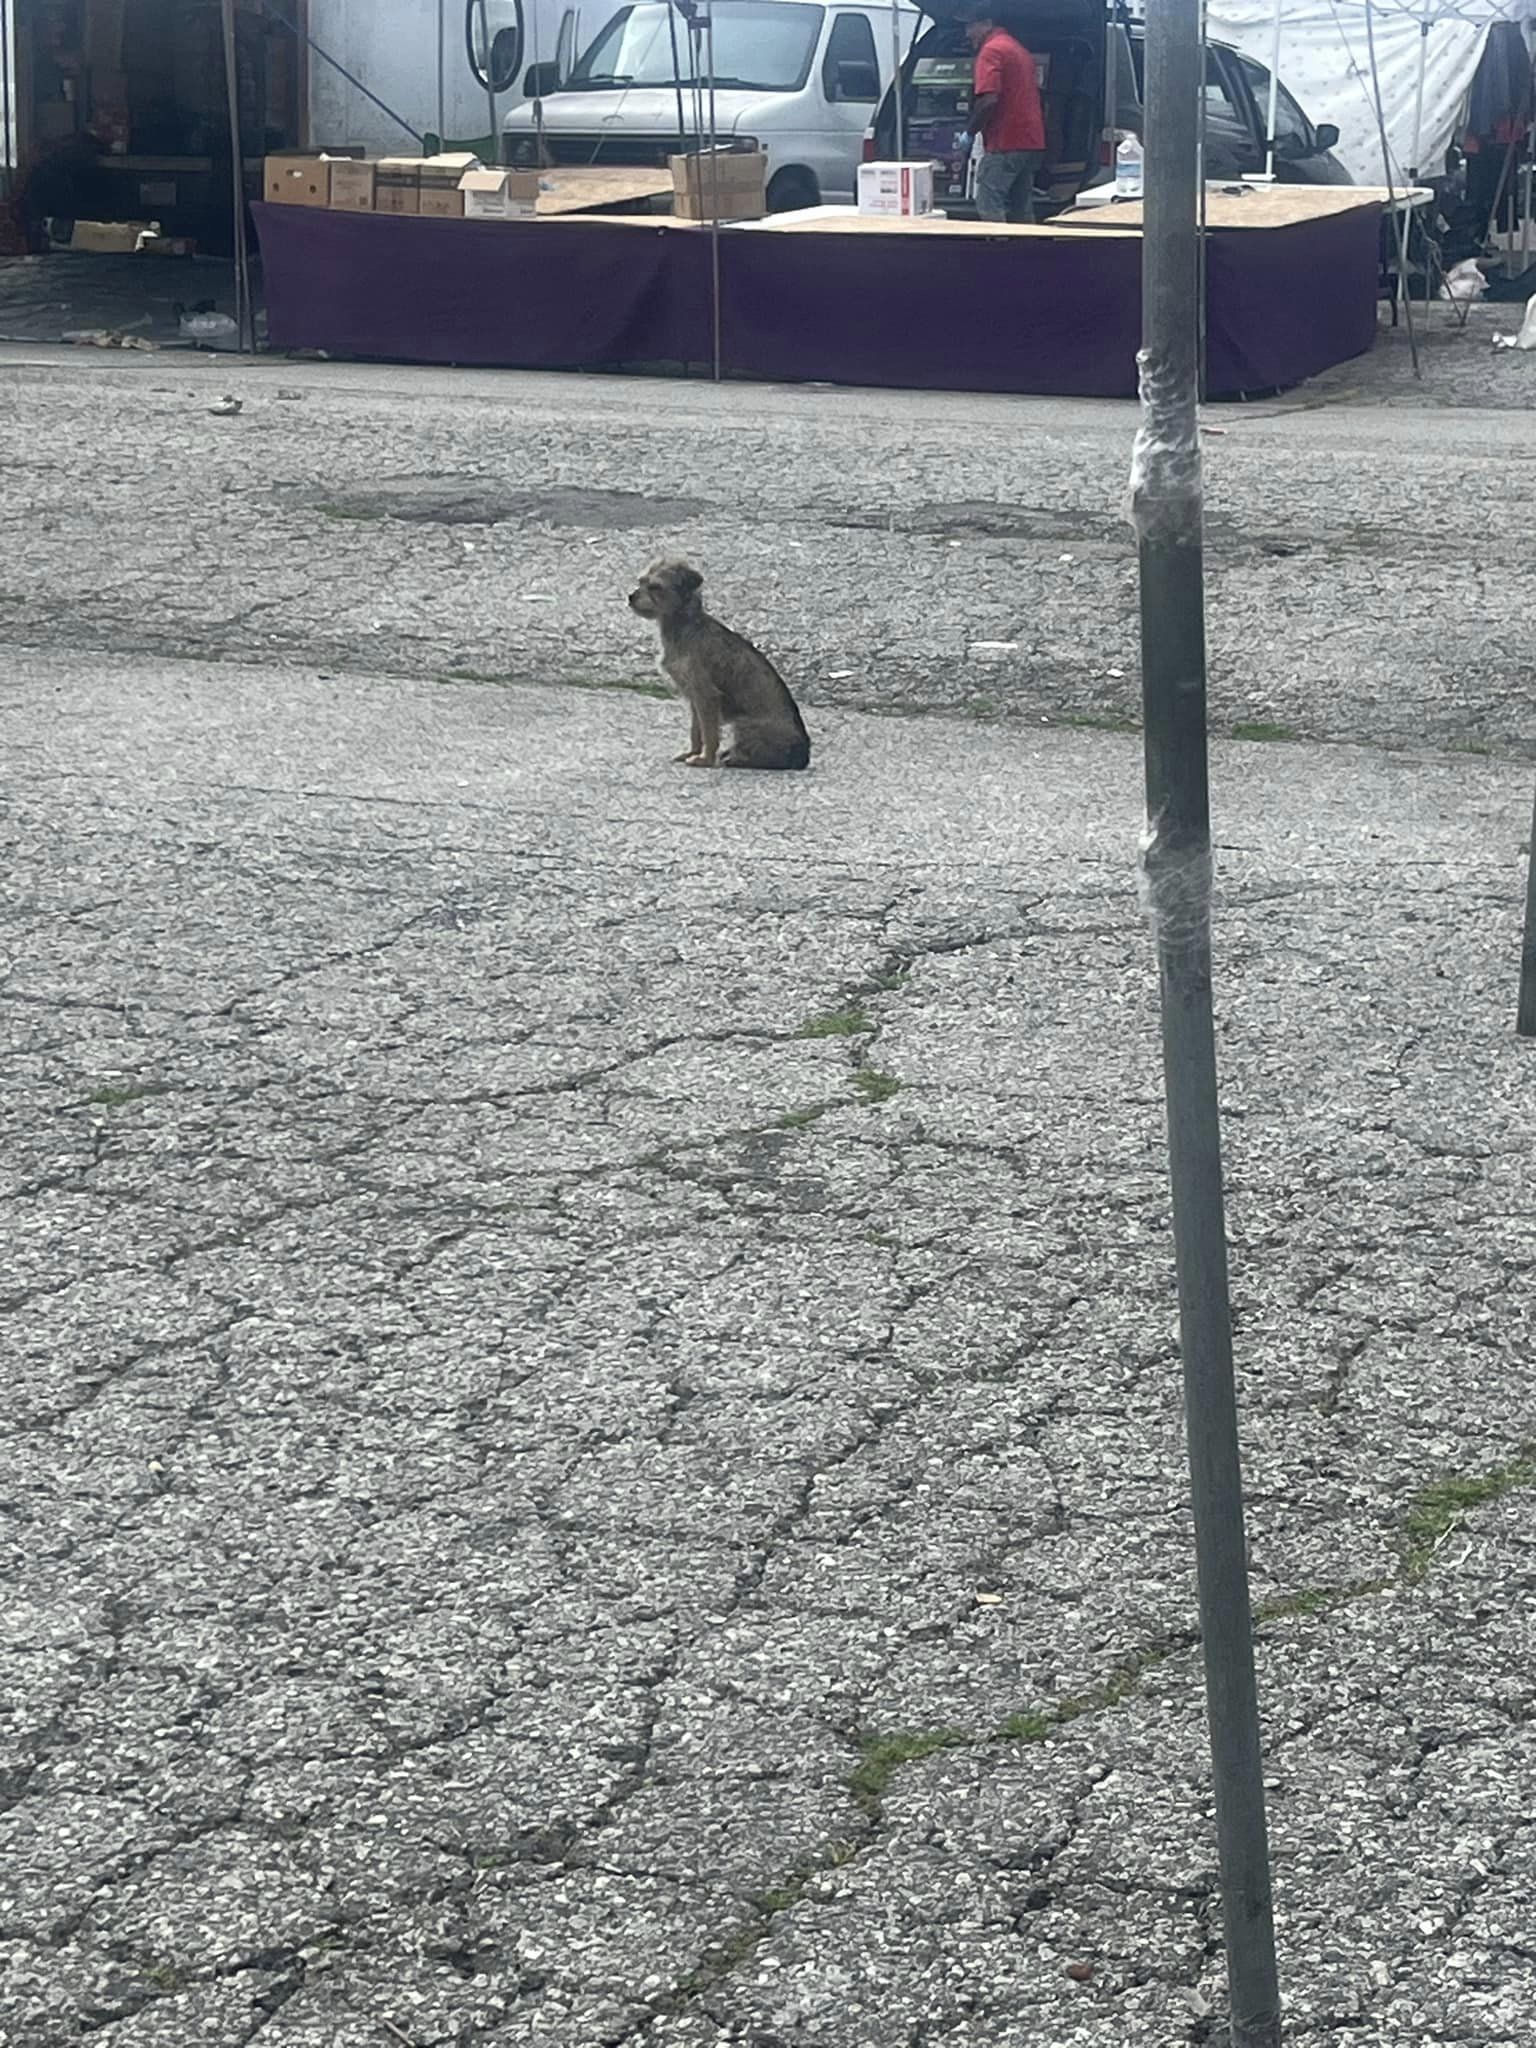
(500, 195)
(896, 188)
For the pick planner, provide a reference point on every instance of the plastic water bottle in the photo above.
(1128, 163)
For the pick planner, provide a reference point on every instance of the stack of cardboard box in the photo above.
(455, 186)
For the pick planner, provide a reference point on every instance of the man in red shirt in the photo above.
(1007, 115)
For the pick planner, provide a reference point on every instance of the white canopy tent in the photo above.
(1427, 52)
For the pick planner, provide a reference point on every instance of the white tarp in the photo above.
(1325, 64)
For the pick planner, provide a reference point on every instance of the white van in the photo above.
(799, 78)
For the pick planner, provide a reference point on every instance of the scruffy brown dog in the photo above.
(723, 677)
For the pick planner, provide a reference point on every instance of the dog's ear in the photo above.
(686, 579)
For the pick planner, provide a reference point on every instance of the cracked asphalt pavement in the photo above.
(593, 1435)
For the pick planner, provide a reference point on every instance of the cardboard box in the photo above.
(446, 171)
(296, 179)
(397, 184)
(499, 195)
(110, 237)
(896, 188)
(352, 186)
(440, 175)
(733, 181)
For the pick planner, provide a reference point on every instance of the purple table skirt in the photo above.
(1058, 315)
(1284, 304)
(525, 294)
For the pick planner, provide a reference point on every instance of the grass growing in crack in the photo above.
(1260, 729)
(1434, 1512)
(882, 1756)
(1314, 1600)
(849, 1023)
(1431, 1515)
(166, 1976)
(736, 1946)
(492, 678)
(875, 1086)
(1025, 1726)
(1094, 721)
(636, 686)
(802, 1119)
(890, 981)
(1035, 1724)
(118, 1094)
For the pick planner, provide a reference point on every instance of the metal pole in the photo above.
(7, 130)
(490, 73)
(1418, 105)
(1400, 214)
(1203, 188)
(696, 66)
(1166, 509)
(1274, 95)
(546, 160)
(1111, 84)
(677, 81)
(244, 318)
(901, 115)
(1525, 1016)
(442, 79)
(714, 182)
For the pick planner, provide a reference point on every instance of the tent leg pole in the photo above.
(901, 136)
(245, 319)
(442, 95)
(490, 89)
(1415, 167)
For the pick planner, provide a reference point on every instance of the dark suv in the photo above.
(1090, 78)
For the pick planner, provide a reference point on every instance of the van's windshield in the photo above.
(761, 45)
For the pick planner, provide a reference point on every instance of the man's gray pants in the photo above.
(1005, 184)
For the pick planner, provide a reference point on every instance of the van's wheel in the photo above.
(789, 191)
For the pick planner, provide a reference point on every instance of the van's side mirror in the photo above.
(539, 80)
(857, 81)
(1326, 136)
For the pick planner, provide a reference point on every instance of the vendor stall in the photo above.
(832, 296)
